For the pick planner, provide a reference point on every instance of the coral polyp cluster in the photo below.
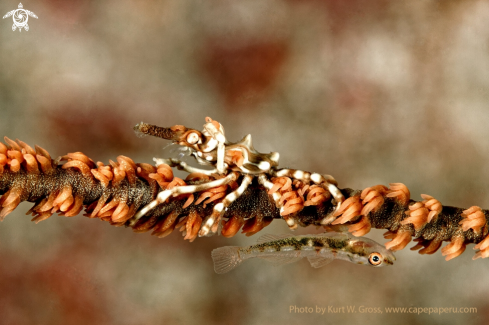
(115, 192)
(427, 221)
(245, 191)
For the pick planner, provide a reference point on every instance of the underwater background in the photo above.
(371, 92)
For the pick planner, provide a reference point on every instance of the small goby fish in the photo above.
(320, 249)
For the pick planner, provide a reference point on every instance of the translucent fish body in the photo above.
(319, 249)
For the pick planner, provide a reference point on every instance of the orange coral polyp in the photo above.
(232, 226)
(189, 201)
(316, 195)
(12, 145)
(3, 159)
(281, 184)
(101, 177)
(17, 155)
(350, 209)
(401, 239)
(79, 183)
(418, 216)
(84, 168)
(192, 226)
(474, 219)
(45, 163)
(3, 149)
(360, 228)
(400, 192)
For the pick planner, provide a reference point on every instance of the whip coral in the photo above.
(244, 191)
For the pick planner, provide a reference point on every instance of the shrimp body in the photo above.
(319, 249)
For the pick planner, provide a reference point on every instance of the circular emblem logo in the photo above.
(20, 18)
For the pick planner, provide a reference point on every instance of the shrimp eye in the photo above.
(375, 259)
(193, 138)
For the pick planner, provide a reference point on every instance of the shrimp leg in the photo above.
(181, 165)
(219, 209)
(326, 181)
(177, 190)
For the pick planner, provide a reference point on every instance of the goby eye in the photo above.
(375, 259)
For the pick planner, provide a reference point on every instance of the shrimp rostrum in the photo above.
(234, 188)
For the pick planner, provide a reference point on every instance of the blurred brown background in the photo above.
(371, 92)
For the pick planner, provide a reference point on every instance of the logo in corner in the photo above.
(20, 17)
